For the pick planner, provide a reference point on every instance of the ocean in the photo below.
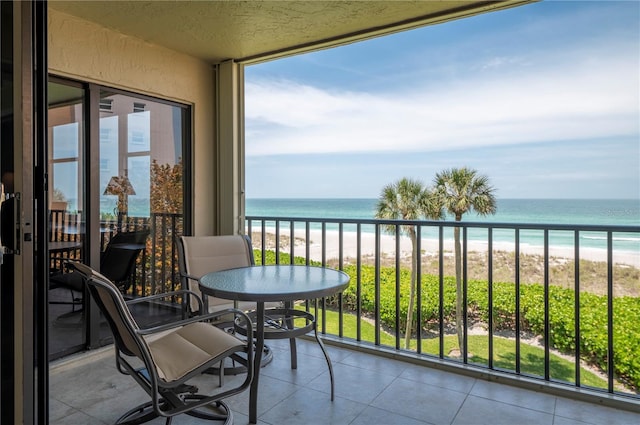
(537, 211)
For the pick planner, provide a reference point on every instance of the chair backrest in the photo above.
(118, 260)
(113, 306)
(199, 255)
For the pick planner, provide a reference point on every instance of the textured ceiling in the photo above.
(256, 30)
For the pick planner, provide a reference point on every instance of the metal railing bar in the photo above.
(490, 295)
(610, 340)
(174, 256)
(307, 250)
(154, 252)
(418, 255)
(397, 282)
(164, 247)
(323, 244)
(277, 242)
(546, 306)
(324, 264)
(441, 291)
(377, 286)
(465, 300)
(340, 267)
(359, 282)
(576, 305)
(263, 241)
(292, 241)
(517, 297)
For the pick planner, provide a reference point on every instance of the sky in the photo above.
(543, 99)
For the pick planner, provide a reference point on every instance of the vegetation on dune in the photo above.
(593, 340)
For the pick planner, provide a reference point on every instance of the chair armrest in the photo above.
(203, 318)
(168, 294)
(188, 276)
(204, 306)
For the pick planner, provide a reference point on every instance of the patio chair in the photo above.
(171, 355)
(117, 263)
(198, 255)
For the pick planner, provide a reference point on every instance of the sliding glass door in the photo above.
(116, 162)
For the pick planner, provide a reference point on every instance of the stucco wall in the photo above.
(88, 52)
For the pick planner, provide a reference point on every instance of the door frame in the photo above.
(24, 390)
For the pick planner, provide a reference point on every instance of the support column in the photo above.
(229, 151)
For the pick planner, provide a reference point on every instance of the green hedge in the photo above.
(593, 312)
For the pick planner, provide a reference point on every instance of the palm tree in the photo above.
(407, 199)
(460, 190)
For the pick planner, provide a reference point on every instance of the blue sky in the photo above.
(543, 99)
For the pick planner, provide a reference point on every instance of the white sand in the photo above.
(428, 247)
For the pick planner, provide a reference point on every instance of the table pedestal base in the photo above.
(288, 323)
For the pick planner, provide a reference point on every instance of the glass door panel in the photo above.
(66, 224)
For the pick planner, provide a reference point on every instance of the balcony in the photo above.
(370, 389)
(378, 380)
(547, 297)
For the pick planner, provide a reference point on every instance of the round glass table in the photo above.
(286, 283)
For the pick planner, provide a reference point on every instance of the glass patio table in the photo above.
(286, 283)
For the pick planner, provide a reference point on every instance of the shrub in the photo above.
(593, 312)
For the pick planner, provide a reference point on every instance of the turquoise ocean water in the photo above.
(539, 211)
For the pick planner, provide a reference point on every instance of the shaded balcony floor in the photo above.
(370, 389)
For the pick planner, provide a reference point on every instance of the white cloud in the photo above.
(501, 62)
(581, 95)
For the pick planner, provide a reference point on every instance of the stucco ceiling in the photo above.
(258, 30)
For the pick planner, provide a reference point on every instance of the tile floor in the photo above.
(369, 390)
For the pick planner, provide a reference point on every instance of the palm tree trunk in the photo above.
(459, 305)
(412, 288)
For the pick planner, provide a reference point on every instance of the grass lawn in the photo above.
(531, 357)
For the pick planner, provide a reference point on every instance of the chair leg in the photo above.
(224, 413)
(221, 374)
(326, 356)
(73, 300)
(294, 353)
(138, 415)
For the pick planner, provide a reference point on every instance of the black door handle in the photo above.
(10, 223)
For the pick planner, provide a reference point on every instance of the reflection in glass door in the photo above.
(141, 180)
(65, 217)
(125, 150)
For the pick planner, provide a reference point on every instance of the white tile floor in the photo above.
(369, 390)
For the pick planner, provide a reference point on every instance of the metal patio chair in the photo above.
(172, 355)
(117, 263)
(198, 255)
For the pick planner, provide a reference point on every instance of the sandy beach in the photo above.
(429, 247)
